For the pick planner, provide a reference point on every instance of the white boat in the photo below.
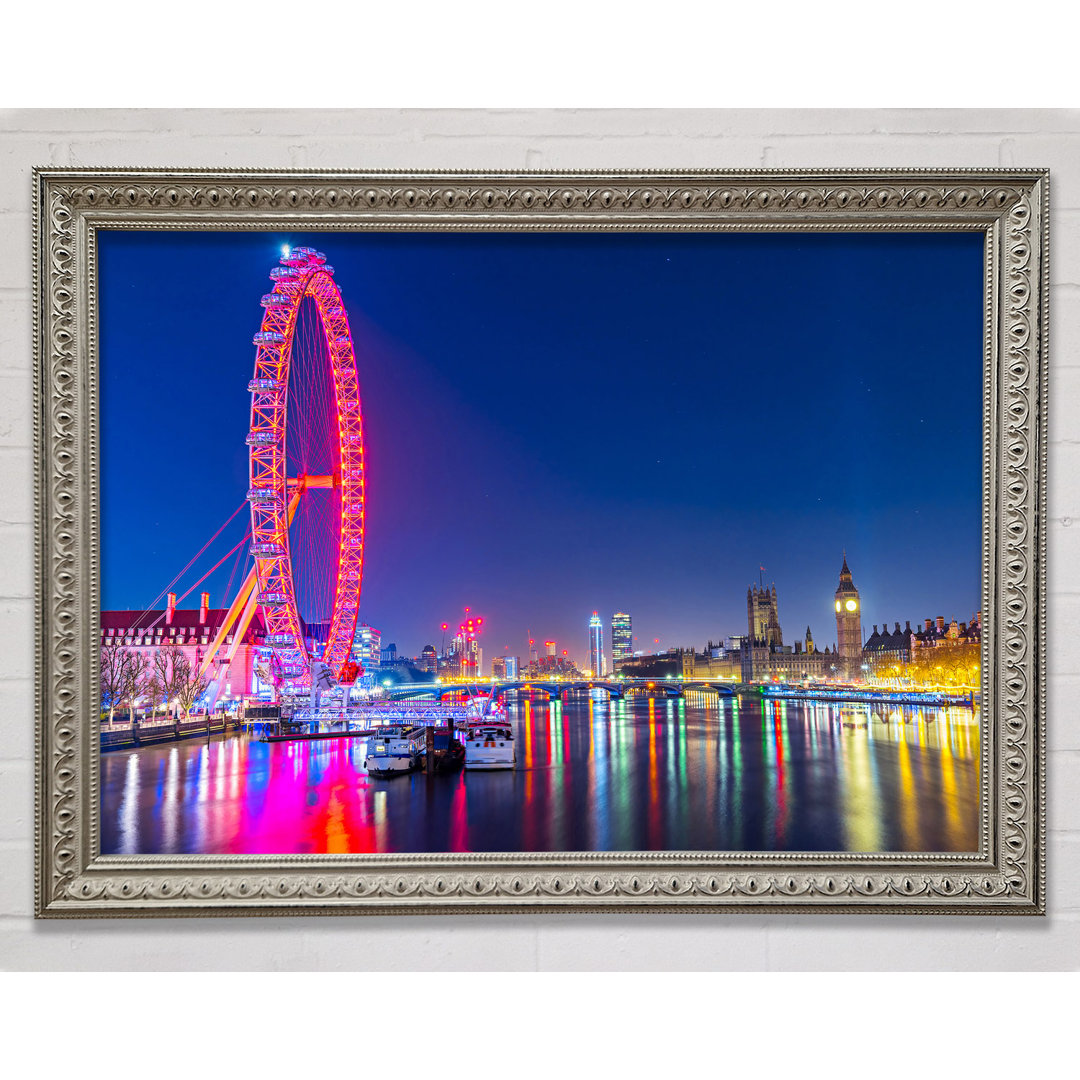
(392, 750)
(489, 744)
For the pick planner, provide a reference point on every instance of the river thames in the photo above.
(697, 774)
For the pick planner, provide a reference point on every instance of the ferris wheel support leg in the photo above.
(238, 636)
(242, 598)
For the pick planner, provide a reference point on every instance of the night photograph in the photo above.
(547, 541)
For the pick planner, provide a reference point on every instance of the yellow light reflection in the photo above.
(862, 809)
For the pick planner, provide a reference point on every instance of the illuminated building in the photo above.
(428, 660)
(546, 667)
(596, 646)
(550, 646)
(367, 646)
(936, 634)
(762, 616)
(764, 638)
(498, 667)
(466, 658)
(762, 656)
(947, 655)
(849, 641)
(885, 651)
(513, 665)
(622, 637)
(193, 631)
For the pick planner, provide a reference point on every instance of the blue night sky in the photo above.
(558, 423)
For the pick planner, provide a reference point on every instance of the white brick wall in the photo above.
(539, 139)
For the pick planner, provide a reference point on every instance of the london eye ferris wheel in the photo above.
(306, 470)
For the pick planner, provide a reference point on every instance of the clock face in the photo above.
(851, 605)
(837, 605)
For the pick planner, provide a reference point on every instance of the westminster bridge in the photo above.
(618, 689)
(556, 689)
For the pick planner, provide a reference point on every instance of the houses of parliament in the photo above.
(761, 655)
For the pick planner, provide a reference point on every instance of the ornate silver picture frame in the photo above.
(1006, 875)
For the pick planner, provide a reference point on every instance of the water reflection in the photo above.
(639, 774)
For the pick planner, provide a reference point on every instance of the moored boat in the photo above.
(489, 744)
(449, 753)
(392, 750)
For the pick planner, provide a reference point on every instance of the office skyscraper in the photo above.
(596, 646)
(367, 646)
(622, 638)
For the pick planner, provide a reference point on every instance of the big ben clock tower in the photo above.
(848, 625)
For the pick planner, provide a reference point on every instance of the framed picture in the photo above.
(539, 542)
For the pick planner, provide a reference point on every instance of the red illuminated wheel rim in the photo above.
(303, 276)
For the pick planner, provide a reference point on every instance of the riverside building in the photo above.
(193, 631)
(622, 637)
(597, 663)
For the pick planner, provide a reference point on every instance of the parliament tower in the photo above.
(848, 625)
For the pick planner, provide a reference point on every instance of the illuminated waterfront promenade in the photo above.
(699, 773)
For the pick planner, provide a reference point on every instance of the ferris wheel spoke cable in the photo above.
(240, 557)
(191, 562)
(183, 596)
(228, 554)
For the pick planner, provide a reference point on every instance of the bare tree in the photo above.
(114, 661)
(133, 679)
(154, 684)
(169, 670)
(189, 685)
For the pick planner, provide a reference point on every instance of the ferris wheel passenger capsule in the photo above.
(261, 438)
(268, 337)
(267, 549)
(261, 496)
(326, 268)
(257, 386)
(284, 273)
(278, 639)
(273, 599)
(275, 299)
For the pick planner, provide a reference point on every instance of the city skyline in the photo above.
(761, 444)
(822, 638)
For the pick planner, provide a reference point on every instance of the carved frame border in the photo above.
(1007, 874)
